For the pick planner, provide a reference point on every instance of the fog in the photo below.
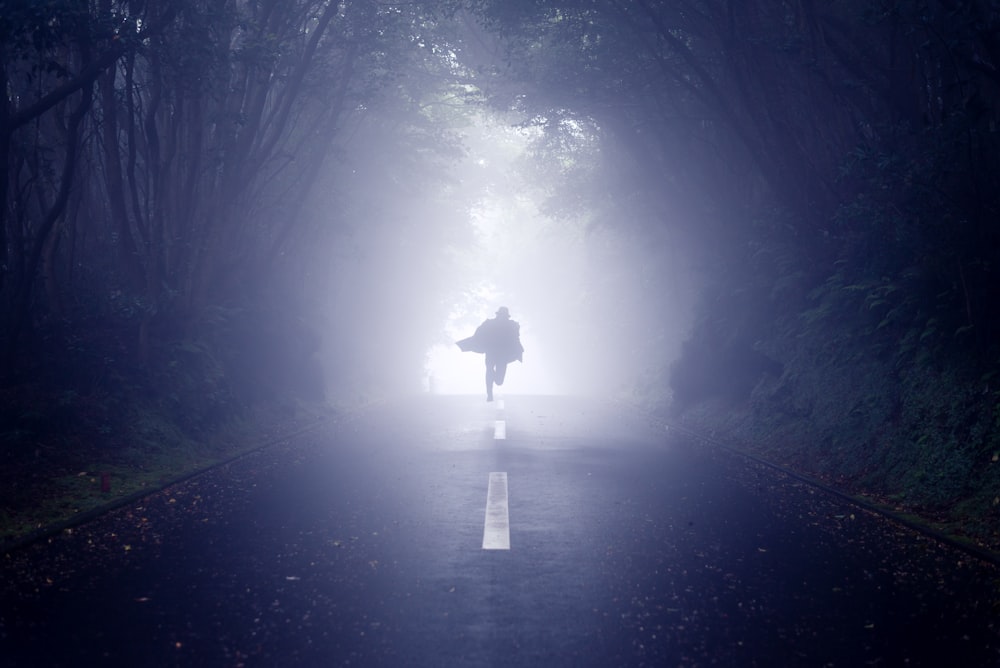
(421, 253)
(735, 213)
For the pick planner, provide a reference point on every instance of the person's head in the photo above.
(502, 312)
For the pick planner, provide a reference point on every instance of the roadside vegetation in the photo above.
(830, 176)
(179, 281)
(89, 429)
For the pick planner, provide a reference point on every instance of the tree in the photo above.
(200, 138)
(827, 125)
(47, 61)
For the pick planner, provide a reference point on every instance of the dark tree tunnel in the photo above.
(772, 222)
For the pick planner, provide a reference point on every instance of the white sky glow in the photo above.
(520, 260)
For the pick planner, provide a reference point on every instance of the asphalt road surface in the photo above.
(534, 531)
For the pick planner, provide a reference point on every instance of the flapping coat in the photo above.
(498, 338)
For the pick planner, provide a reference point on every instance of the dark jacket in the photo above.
(499, 338)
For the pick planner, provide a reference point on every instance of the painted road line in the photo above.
(499, 404)
(496, 531)
(500, 430)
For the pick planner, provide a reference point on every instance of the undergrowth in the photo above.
(145, 452)
(82, 423)
(921, 440)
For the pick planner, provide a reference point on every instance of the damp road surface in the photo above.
(533, 531)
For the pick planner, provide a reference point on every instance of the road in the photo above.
(362, 544)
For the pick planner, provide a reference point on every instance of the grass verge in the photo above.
(47, 489)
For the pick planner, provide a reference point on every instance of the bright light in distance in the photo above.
(525, 260)
(450, 371)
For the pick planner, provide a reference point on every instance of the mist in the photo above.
(752, 249)
(736, 214)
(418, 255)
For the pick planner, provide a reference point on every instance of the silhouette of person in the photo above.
(500, 338)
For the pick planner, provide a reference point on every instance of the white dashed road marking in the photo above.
(496, 532)
(500, 430)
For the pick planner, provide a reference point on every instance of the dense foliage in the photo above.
(160, 166)
(817, 182)
(830, 169)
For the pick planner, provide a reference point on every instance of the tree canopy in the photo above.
(836, 155)
(159, 162)
(200, 193)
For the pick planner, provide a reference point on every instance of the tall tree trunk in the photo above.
(128, 255)
(154, 240)
(50, 279)
(22, 299)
